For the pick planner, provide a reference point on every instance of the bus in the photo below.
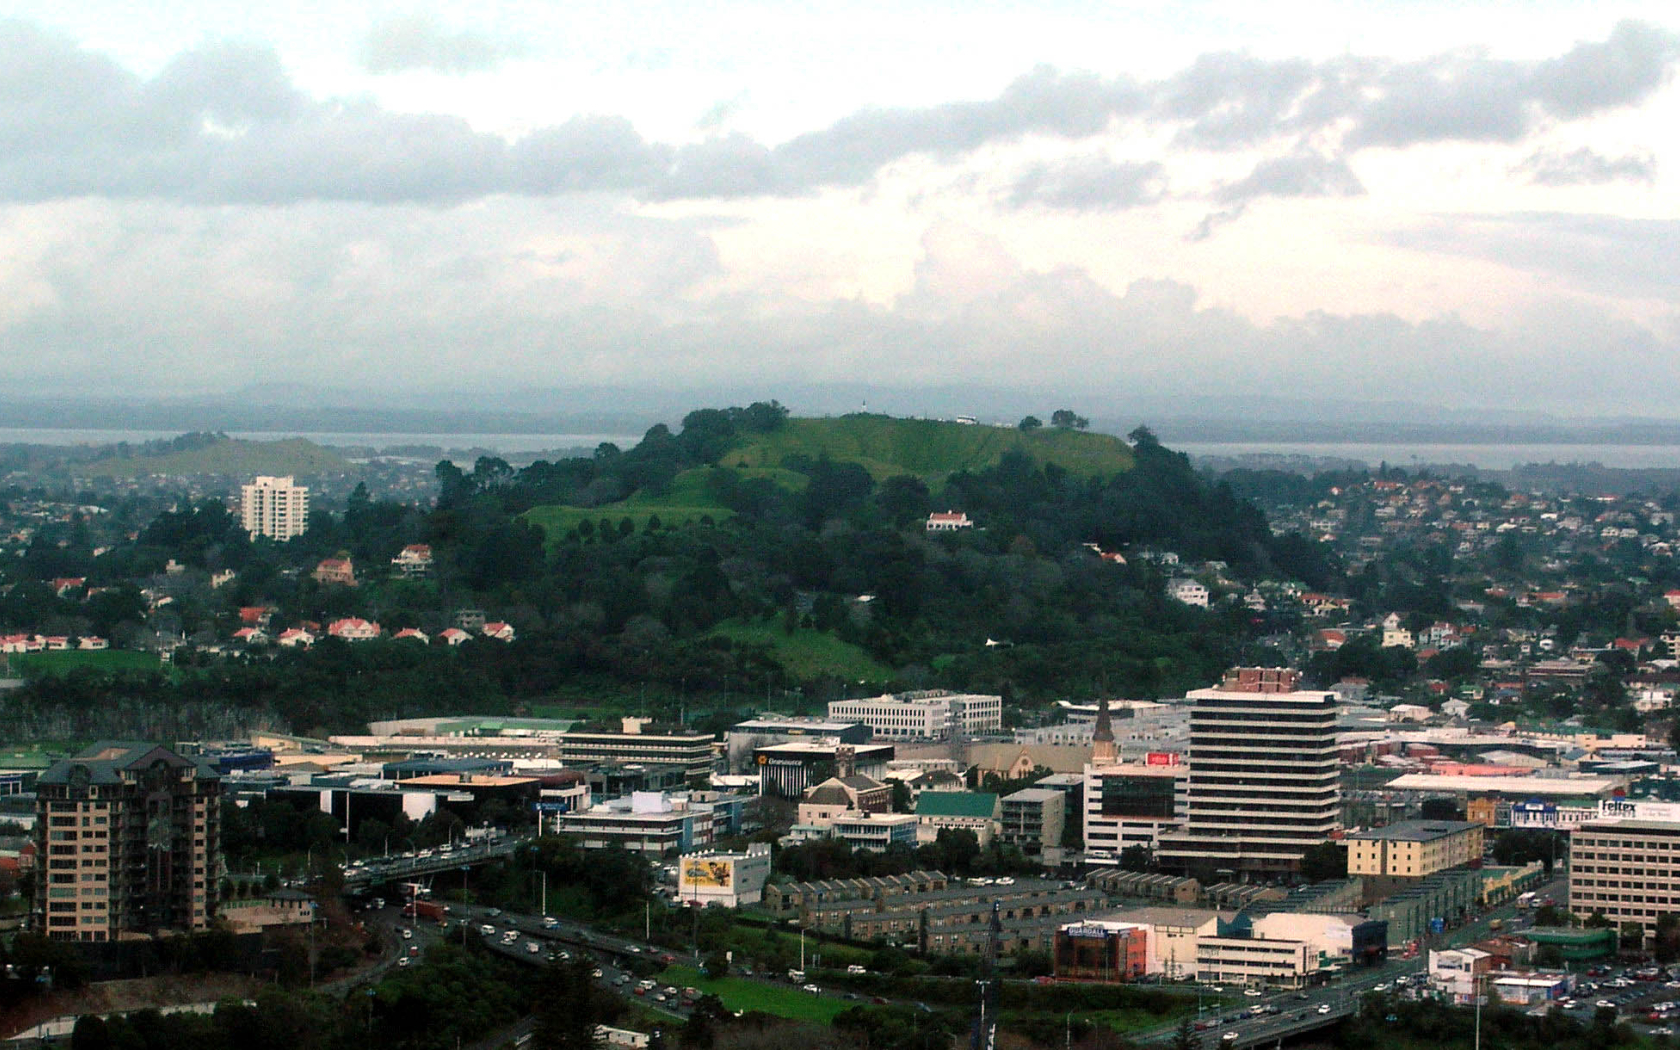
(1526, 900)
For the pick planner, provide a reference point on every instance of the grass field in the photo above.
(928, 449)
(687, 501)
(739, 993)
(807, 653)
(62, 662)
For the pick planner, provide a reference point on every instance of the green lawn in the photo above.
(807, 653)
(739, 993)
(62, 662)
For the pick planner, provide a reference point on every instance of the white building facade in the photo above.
(934, 715)
(274, 507)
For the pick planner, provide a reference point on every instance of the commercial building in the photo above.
(643, 823)
(875, 831)
(1627, 869)
(638, 743)
(744, 737)
(1032, 819)
(726, 879)
(128, 838)
(274, 507)
(1263, 785)
(1459, 973)
(929, 715)
(1132, 804)
(787, 770)
(974, 811)
(1101, 950)
(1415, 848)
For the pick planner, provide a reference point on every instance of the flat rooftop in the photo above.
(1417, 830)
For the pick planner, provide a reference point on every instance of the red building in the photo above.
(1096, 950)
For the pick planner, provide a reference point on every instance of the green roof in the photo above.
(956, 804)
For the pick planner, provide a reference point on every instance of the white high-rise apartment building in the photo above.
(1263, 783)
(274, 507)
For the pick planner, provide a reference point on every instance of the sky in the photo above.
(1470, 205)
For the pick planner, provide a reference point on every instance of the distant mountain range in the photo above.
(295, 408)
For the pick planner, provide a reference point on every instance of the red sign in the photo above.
(1161, 758)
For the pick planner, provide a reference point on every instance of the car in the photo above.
(1323, 1008)
(1253, 993)
(1605, 1004)
(1228, 1037)
(1006, 881)
(856, 969)
(622, 979)
(813, 989)
(1662, 1031)
(495, 913)
(487, 930)
(1380, 986)
(661, 997)
(403, 961)
(407, 934)
(549, 922)
(533, 947)
(512, 935)
(1202, 1026)
(639, 990)
(877, 1000)
(1302, 995)
(596, 973)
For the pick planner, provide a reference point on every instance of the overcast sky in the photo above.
(1461, 203)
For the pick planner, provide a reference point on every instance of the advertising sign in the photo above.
(707, 874)
(1161, 758)
(1087, 932)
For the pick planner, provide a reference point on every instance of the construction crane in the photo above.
(984, 1036)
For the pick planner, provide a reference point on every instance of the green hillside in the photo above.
(686, 501)
(927, 448)
(223, 455)
(807, 653)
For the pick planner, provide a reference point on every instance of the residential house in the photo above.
(335, 570)
(354, 629)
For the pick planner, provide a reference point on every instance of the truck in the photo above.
(424, 910)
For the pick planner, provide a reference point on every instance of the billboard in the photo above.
(1161, 758)
(703, 873)
(1088, 932)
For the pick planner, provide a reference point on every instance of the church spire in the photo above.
(1103, 751)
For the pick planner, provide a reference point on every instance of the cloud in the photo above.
(1297, 175)
(1554, 167)
(1088, 182)
(417, 41)
(1600, 254)
(225, 124)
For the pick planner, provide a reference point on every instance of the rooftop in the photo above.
(1417, 830)
(956, 804)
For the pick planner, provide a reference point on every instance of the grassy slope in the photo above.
(927, 448)
(739, 993)
(232, 456)
(34, 665)
(807, 653)
(686, 501)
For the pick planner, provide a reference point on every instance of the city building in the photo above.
(974, 811)
(274, 507)
(1263, 785)
(875, 831)
(1415, 848)
(646, 822)
(744, 737)
(1132, 804)
(1627, 869)
(787, 770)
(928, 715)
(845, 792)
(640, 743)
(1101, 950)
(1032, 819)
(726, 879)
(128, 837)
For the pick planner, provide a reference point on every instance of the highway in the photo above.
(363, 876)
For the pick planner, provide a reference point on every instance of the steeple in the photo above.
(1103, 751)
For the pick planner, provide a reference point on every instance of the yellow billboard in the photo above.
(708, 874)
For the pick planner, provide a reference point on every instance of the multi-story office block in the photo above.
(1627, 869)
(128, 839)
(931, 715)
(1415, 848)
(1263, 777)
(274, 507)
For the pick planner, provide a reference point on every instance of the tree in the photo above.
(1068, 419)
(717, 966)
(566, 1011)
(1134, 858)
(1327, 860)
(1030, 423)
(1185, 1037)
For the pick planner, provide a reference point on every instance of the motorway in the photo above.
(364, 875)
